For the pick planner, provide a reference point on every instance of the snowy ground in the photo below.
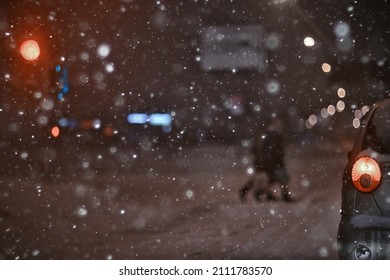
(114, 205)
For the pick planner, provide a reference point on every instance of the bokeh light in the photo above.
(30, 50)
(309, 42)
(341, 92)
(326, 67)
(340, 106)
(342, 29)
(55, 131)
(331, 109)
(103, 50)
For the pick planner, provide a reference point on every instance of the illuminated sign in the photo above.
(137, 118)
(233, 48)
(158, 119)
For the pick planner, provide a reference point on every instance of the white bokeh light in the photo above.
(109, 68)
(340, 106)
(341, 92)
(309, 42)
(273, 87)
(326, 67)
(103, 50)
(324, 113)
(342, 29)
(331, 109)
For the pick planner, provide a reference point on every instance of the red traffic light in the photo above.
(30, 50)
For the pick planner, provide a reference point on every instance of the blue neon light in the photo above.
(137, 118)
(160, 119)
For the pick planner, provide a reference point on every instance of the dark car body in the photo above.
(364, 229)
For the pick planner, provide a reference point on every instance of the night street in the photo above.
(187, 208)
(134, 129)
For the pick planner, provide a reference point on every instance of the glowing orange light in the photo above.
(55, 131)
(30, 50)
(108, 131)
(87, 124)
(366, 174)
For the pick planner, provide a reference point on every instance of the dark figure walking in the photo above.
(270, 171)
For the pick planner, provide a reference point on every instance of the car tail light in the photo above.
(366, 174)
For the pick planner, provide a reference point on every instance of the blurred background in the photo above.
(214, 66)
(137, 99)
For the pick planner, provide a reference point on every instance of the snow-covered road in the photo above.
(171, 206)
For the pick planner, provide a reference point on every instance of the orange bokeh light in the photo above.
(55, 131)
(30, 50)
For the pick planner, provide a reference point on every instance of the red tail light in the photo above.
(366, 174)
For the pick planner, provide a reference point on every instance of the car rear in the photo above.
(364, 230)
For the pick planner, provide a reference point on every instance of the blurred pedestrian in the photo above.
(259, 179)
(270, 170)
